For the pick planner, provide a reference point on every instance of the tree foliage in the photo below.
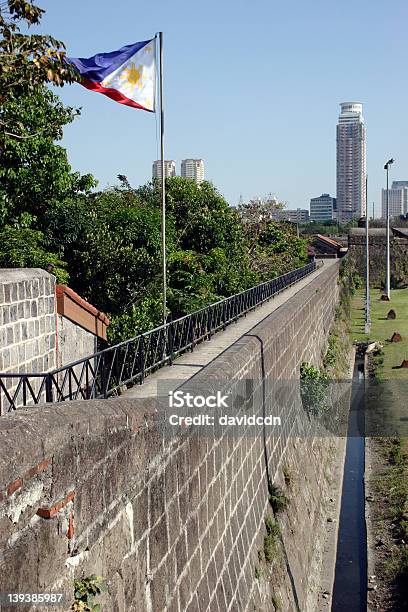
(25, 248)
(26, 60)
(34, 173)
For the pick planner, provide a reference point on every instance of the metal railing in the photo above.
(109, 371)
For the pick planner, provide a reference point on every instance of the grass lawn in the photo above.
(382, 329)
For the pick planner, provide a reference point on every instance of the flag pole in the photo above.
(163, 181)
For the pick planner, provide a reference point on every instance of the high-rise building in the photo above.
(351, 162)
(398, 199)
(169, 168)
(298, 215)
(323, 208)
(194, 169)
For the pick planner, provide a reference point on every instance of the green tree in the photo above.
(26, 60)
(25, 248)
(112, 248)
(34, 173)
(278, 250)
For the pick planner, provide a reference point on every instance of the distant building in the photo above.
(323, 208)
(398, 199)
(194, 169)
(300, 215)
(326, 246)
(351, 163)
(169, 168)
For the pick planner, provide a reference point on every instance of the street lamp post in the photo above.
(387, 214)
(367, 309)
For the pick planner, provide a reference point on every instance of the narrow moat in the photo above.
(350, 585)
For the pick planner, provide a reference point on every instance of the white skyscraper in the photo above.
(169, 168)
(351, 162)
(194, 169)
(398, 199)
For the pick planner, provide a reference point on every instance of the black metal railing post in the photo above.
(48, 389)
(104, 376)
(171, 341)
(142, 359)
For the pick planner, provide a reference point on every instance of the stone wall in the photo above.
(173, 523)
(27, 323)
(377, 248)
(27, 320)
(33, 338)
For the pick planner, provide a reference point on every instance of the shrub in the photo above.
(85, 591)
(270, 540)
(277, 499)
(314, 389)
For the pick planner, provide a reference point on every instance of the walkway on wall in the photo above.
(188, 364)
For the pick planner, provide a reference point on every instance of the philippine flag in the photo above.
(127, 75)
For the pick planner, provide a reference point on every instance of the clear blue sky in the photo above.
(251, 87)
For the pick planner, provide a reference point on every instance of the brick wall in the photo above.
(177, 523)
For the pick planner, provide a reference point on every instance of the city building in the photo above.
(299, 215)
(194, 169)
(398, 199)
(351, 162)
(323, 208)
(169, 168)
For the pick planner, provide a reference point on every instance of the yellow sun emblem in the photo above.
(132, 76)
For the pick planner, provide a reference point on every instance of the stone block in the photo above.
(134, 571)
(159, 588)
(157, 497)
(158, 541)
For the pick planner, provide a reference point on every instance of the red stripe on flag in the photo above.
(113, 93)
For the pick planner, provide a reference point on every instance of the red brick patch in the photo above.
(37, 469)
(13, 486)
(18, 483)
(48, 513)
(70, 532)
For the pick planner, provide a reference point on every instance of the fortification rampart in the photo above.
(173, 524)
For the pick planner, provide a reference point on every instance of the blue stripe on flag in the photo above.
(98, 67)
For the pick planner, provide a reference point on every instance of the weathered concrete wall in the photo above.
(73, 342)
(377, 248)
(171, 523)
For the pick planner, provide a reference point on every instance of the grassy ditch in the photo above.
(389, 490)
(391, 355)
(388, 484)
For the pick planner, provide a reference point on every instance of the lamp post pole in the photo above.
(367, 310)
(387, 214)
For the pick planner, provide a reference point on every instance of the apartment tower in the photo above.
(169, 168)
(194, 169)
(398, 199)
(351, 162)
